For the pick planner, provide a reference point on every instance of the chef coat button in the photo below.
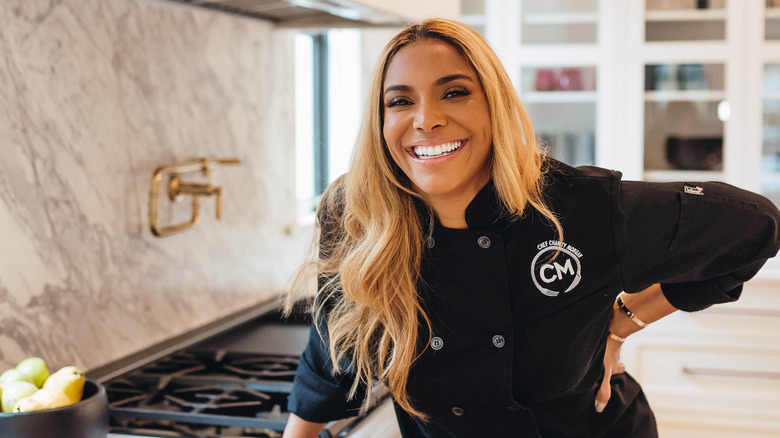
(429, 242)
(457, 410)
(483, 242)
(498, 341)
(437, 343)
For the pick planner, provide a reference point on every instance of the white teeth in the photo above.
(436, 151)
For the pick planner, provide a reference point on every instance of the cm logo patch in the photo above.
(555, 274)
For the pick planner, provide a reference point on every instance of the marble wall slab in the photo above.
(94, 96)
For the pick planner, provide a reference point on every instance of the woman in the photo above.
(477, 279)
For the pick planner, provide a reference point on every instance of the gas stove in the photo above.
(231, 380)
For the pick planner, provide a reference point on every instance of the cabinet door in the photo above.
(555, 52)
(685, 20)
(686, 89)
(772, 23)
(770, 162)
(685, 110)
(770, 97)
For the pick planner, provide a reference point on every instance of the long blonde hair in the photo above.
(371, 236)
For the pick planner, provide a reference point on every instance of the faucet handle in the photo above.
(207, 164)
(177, 188)
(218, 193)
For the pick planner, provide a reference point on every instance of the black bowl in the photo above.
(697, 153)
(86, 419)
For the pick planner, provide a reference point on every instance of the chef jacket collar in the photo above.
(484, 212)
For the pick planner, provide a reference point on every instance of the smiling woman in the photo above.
(445, 273)
(437, 126)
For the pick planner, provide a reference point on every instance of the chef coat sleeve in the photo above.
(701, 241)
(319, 395)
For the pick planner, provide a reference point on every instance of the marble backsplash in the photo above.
(94, 96)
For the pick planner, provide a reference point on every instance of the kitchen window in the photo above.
(328, 103)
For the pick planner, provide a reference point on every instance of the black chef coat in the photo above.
(518, 336)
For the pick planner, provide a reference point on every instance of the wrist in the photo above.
(621, 324)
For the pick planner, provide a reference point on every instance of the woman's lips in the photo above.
(430, 152)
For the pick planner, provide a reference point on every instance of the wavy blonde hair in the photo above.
(371, 235)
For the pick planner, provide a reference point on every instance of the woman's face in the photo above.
(437, 121)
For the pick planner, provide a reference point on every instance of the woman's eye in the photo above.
(457, 92)
(396, 101)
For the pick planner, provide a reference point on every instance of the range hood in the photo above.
(335, 13)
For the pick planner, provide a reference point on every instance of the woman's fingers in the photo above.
(605, 392)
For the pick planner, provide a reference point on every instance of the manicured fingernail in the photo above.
(600, 407)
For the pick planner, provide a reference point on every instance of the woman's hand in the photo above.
(612, 366)
(648, 306)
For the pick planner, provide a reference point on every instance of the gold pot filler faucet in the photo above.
(176, 188)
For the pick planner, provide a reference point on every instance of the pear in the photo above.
(44, 398)
(13, 375)
(34, 368)
(15, 391)
(69, 380)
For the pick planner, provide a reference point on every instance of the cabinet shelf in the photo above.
(685, 96)
(772, 13)
(559, 96)
(561, 18)
(686, 15)
(771, 95)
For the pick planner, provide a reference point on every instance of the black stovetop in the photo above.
(234, 383)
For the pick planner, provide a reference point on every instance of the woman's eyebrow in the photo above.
(440, 81)
(450, 78)
(397, 88)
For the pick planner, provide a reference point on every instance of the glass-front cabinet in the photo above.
(553, 50)
(685, 20)
(684, 113)
(772, 20)
(770, 97)
(560, 94)
(686, 94)
(770, 163)
(663, 90)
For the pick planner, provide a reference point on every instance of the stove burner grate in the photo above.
(217, 389)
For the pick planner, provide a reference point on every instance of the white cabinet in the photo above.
(714, 373)
(555, 54)
(663, 90)
(660, 89)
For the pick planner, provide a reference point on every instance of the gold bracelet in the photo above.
(629, 313)
(615, 337)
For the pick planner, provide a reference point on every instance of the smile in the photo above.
(439, 150)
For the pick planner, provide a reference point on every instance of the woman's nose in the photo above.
(429, 116)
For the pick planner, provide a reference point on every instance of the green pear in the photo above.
(15, 391)
(43, 398)
(34, 368)
(14, 375)
(69, 380)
